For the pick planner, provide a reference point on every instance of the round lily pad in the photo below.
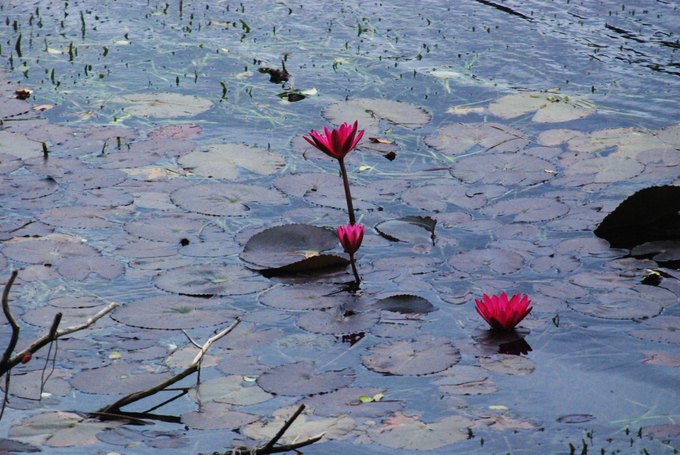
(167, 228)
(498, 260)
(416, 357)
(163, 105)
(228, 389)
(224, 199)
(79, 268)
(9, 163)
(663, 329)
(528, 210)
(221, 161)
(504, 169)
(302, 297)
(247, 336)
(122, 377)
(79, 217)
(338, 321)
(346, 401)
(299, 184)
(217, 416)
(176, 131)
(550, 107)
(299, 378)
(410, 433)
(437, 197)
(59, 429)
(410, 229)
(211, 279)
(47, 250)
(459, 138)
(18, 145)
(508, 364)
(296, 246)
(174, 312)
(608, 169)
(368, 112)
(619, 304)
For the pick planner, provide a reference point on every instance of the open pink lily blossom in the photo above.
(501, 313)
(336, 143)
(350, 237)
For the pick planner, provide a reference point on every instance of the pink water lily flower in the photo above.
(501, 313)
(336, 143)
(350, 237)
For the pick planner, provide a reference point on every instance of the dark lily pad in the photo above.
(405, 304)
(299, 184)
(301, 378)
(302, 297)
(528, 210)
(89, 179)
(222, 160)
(224, 199)
(346, 402)
(508, 364)
(9, 163)
(44, 316)
(60, 429)
(410, 229)
(123, 377)
(333, 195)
(498, 260)
(295, 246)
(459, 138)
(211, 279)
(416, 357)
(27, 187)
(437, 197)
(214, 249)
(247, 336)
(144, 249)
(504, 169)
(174, 312)
(238, 362)
(338, 321)
(575, 418)
(9, 446)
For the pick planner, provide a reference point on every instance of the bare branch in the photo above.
(10, 318)
(283, 429)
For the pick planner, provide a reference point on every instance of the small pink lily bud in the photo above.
(350, 237)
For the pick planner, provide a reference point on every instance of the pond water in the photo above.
(516, 126)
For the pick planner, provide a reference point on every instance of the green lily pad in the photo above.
(422, 355)
(163, 105)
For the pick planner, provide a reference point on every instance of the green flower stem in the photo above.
(348, 195)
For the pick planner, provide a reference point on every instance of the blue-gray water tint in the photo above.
(621, 55)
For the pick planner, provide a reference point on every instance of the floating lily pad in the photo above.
(459, 138)
(117, 378)
(662, 358)
(508, 364)
(163, 105)
(217, 416)
(167, 228)
(229, 390)
(32, 384)
(224, 199)
(664, 329)
(410, 433)
(416, 357)
(630, 141)
(302, 297)
(437, 197)
(338, 321)
(607, 170)
(247, 336)
(18, 145)
(27, 187)
(363, 198)
(346, 401)
(410, 229)
(238, 362)
(620, 304)
(176, 131)
(306, 426)
(79, 217)
(498, 260)
(369, 112)
(299, 378)
(47, 250)
(174, 312)
(562, 264)
(144, 249)
(299, 184)
(210, 279)
(9, 446)
(9, 163)
(405, 304)
(528, 210)
(221, 161)
(60, 429)
(504, 169)
(78, 269)
(292, 248)
(551, 108)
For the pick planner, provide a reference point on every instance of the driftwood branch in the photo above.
(269, 447)
(10, 318)
(195, 365)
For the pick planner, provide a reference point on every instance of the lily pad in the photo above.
(174, 312)
(79, 217)
(9, 163)
(47, 250)
(123, 377)
(528, 210)
(27, 187)
(504, 169)
(78, 269)
(224, 199)
(459, 138)
(496, 259)
(550, 107)
(663, 329)
(210, 279)
(299, 378)
(217, 416)
(60, 429)
(338, 321)
(416, 357)
(221, 161)
(405, 304)
(299, 184)
(436, 198)
(410, 229)
(620, 304)
(508, 364)
(176, 131)
(163, 105)
(229, 390)
(347, 401)
(18, 145)
(607, 169)
(292, 247)
(369, 111)
(167, 228)
(302, 297)
(247, 336)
